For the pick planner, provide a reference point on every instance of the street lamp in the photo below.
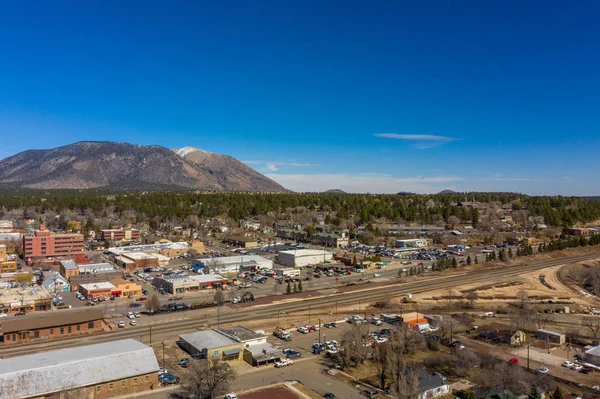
(163, 353)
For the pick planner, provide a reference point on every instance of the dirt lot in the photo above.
(278, 392)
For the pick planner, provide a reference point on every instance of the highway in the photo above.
(454, 280)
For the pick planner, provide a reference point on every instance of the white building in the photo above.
(432, 386)
(304, 257)
(412, 243)
(95, 268)
(232, 264)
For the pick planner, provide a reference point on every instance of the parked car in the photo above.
(567, 363)
(543, 370)
(330, 325)
(577, 367)
(231, 396)
(142, 298)
(329, 395)
(302, 330)
(183, 362)
(587, 370)
(137, 315)
(284, 362)
(291, 354)
(513, 361)
(369, 393)
(133, 323)
(130, 315)
(121, 324)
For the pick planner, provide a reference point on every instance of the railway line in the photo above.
(487, 276)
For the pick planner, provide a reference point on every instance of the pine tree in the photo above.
(556, 393)
(300, 289)
(295, 288)
(476, 259)
(510, 253)
(469, 260)
(454, 263)
(288, 290)
(535, 394)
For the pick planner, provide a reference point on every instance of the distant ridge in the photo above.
(447, 192)
(335, 191)
(123, 166)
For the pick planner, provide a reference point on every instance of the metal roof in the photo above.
(207, 339)
(48, 320)
(55, 371)
(69, 264)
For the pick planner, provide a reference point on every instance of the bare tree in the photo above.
(406, 340)
(153, 304)
(219, 297)
(208, 378)
(593, 326)
(356, 345)
(404, 376)
(453, 221)
(542, 319)
(382, 363)
(522, 298)
(444, 328)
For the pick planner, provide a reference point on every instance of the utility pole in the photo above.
(219, 310)
(163, 348)
(451, 347)
(278, 318)
(308, 314)
(150, 334)
(336, 311)
(319, 333)
(527, 356)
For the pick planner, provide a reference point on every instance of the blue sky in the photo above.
(381, 96)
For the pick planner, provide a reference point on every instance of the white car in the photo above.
(567, 363)
(577, 367)
(231, 396)
(302, 330)
(376, 275)
(381, 340)
(543, 370)
(132, 323)
(283, 363)
(121, 324)
(162, 370)
(130, 315)
(333, 342)
(137, 315)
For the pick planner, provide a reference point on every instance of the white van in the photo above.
(488, 314)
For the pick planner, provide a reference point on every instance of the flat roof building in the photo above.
(411, 243)
(233, 264)
(120, 234)
(99, 371)
(44, 244)
(101, 289)
(303, 257)
(27, 300)
(181, 284)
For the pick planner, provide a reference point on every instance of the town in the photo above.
(493, 301)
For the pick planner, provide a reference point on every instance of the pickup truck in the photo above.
(283, 335)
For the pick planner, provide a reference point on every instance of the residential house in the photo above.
(54, 282)
(432, 386)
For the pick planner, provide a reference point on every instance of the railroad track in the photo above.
(488, 275)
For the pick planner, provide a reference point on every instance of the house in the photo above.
(432, 386)
(54, 282)
(93, 371)
(243, 242)
(500, 394)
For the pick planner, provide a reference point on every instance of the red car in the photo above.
(513, 361)
(310, 328)
(587, 370)
(142, 298)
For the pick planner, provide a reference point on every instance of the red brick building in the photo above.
(44, 244)
(24, 329)
(120, 234)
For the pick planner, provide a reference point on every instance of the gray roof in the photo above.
(207, 339)
(428, 382)
(595, 351)
(69, 264)
(48, 372)
(241, 334)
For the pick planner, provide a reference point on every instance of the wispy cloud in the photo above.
(252, 162)
(273, 166)
(423, 141)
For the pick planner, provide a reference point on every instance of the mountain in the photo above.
(447, 192)
(335, 191)
(110, 165)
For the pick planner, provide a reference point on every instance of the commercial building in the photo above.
(171, 249)
(6, 265)
(178, 285)
(412, 243)
(62, 324)
(93, 278)
(96, 290)
(44, 244)
(93, 371)
(232, 264)
(330, 239)
(27, 300)
(68, 268)
(96, 268)
(243, 242)
(125, 288)
(303, 257)
(292, 234)
(551, 336)
(54, 282)
(120, 235)
(229, 344)
(6, 226)
(136, 260)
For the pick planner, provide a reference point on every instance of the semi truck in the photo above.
(288, 272)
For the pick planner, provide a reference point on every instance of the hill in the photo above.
(111, 165)
(335, 191)
(447, 192)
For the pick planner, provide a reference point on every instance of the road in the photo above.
(425, 284)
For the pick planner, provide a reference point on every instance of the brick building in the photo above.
(76, 281)
(96, 290)
(120, 235)
(93, 371)
(68, 268)
(44, 244)
(27, 300)
(125, 288)
(24, 329)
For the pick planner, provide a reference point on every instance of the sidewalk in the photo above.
(156, 392)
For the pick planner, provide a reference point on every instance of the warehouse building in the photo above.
(232, 264)
(31, 328)
(136, 260)
(551, 336)
(303, 257)
(170, 249)
(412, 243)
(93, 371)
